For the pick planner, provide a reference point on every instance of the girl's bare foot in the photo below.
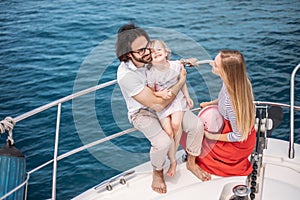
(158, 182)
(172, 169)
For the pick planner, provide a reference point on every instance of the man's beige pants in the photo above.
(161, 144)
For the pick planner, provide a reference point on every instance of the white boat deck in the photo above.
(281, 181)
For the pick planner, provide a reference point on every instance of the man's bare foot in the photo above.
(172, 169)
(158, 182)
(196, 170)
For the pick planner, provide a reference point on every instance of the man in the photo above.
(132, 49)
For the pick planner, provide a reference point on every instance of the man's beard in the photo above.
(142, 60)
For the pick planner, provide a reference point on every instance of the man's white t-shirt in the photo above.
(132, 81)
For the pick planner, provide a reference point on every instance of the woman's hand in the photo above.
(216, 136)
(204, 104)
(209, 103)
(190, 62)
(211, 136)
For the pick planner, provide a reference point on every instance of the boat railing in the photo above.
(59, 103)
(292, 114)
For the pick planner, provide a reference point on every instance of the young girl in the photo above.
(162, 74)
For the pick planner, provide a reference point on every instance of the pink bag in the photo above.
(212, 119)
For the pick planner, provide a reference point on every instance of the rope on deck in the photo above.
(8, 124)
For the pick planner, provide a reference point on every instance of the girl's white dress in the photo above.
(160, 80)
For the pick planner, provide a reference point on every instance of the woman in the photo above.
(227, 153)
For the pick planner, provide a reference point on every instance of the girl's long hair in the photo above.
(239, 88)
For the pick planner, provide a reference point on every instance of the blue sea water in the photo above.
(51, 49)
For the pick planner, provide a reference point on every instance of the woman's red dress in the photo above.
(226, 158)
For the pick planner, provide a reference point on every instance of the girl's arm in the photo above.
(185, 91)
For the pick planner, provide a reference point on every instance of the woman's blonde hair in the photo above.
(239, 88)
